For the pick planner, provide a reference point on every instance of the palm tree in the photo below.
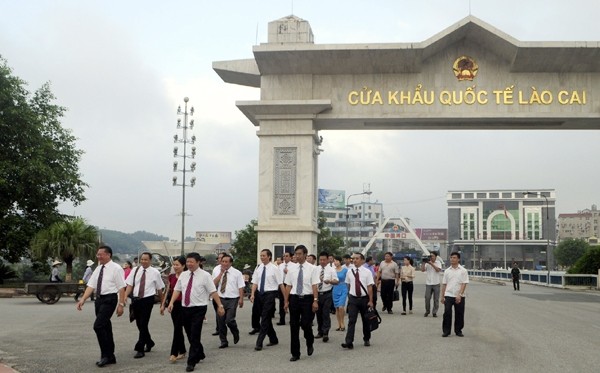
(69, 239)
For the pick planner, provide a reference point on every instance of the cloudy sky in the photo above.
(122, 68)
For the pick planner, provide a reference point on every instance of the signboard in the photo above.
(332, 199)
(213, 237)
(431, 234)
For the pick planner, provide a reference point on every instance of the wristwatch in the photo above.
(316, 299)
(122, 304)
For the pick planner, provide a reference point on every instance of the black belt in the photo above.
(361, 297)
(268, 292)
(325, 292)
(106, 295)
(302, 296)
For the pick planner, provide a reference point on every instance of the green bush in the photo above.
(589, 263)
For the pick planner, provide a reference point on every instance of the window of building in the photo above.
(494, 195)
(506, 195)
(456, 196)
(279, 249)
(469, 195)
(481, 195)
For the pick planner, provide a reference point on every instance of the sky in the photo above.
(122, 68)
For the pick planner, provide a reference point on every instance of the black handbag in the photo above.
(373, 319)
(371, 316)
(396, 295)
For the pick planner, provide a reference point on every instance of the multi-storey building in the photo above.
(494, 228)
(358, 226)
(584, 224)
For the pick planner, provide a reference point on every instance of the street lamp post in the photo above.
(547, 231)
(185, 141)
(347, 200)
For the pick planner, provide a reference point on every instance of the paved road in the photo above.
(534, 330)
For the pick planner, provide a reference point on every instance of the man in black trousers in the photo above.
(266, 282)
(108, 281)
(143, 284)
(301, 298)
(360, 299)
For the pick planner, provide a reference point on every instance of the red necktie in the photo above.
(142, 287)
(357, 288)
(188, 291)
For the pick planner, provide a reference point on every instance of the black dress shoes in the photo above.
(224, 345)
(236, 338)
(139, 355)
(254, 331)
(258, 348)
(105, 361)
(325, 338)
(460, 335)
(281, 323)
(294, 358)
(349, 346)
(309, 350)
(272, 343)
(149, 347)
(189, 368)
(445, 335)
(318, 336)
(215, 333)
(367, 343)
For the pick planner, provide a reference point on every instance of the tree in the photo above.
(69, 239)
(325, 241)
(245, 246)
(589, 263)
(570, 250)
(38, 164)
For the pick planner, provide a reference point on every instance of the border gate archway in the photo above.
(469, 76)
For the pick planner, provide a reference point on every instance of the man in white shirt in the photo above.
(284, 267)
(454, 284)
(108, 281)
(327, 278)
(230, 286)
(360, 299)
(143, 285)
(266, 282)
(433, 268)
(301, 298)
(196, 286)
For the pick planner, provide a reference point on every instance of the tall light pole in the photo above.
(547, 231)
(185, 141)
(347, 200)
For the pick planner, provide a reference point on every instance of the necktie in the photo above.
(188, 291)
(99, 285)
(357, 287)
(263, 277)
(224, 282)
(142, 285)
(284, 271)
(321, 278)
(300, 285)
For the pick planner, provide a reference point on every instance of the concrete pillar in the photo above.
(287, 184)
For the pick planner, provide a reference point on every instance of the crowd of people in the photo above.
(305, 286)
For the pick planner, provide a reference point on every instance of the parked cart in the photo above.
(50, 292)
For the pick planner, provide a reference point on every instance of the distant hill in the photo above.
(128, 243)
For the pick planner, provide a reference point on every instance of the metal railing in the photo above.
(558, 279)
